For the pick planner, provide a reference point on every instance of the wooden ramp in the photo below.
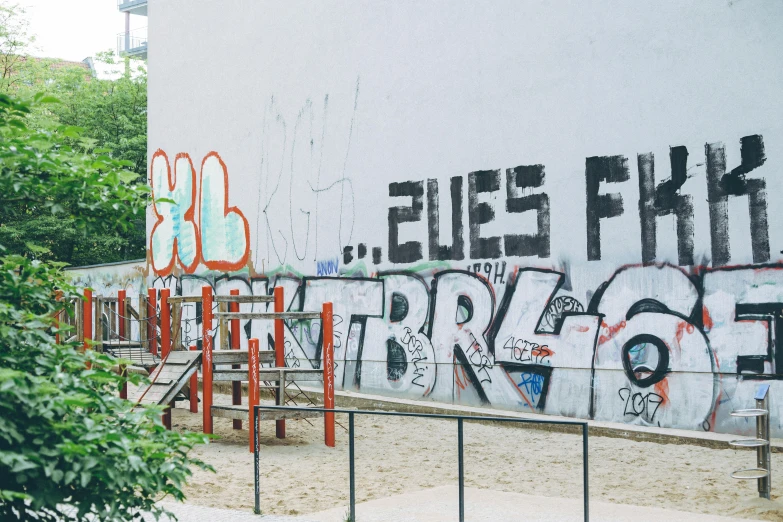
(167, 379)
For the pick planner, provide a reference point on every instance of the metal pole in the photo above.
(280, 356)
(87, 318)
(352, 485)
(236, 386)
(762, 452)
(461, 461)
(327, 326)
(121, 295)
(165, 322)
(206, 357)
(253, 391)
(152, 319)
(768, 447)
(257, 450)
(194, 388)
(586, 473)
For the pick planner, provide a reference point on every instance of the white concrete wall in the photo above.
(316, 145)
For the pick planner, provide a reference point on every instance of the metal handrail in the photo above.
(460, 456)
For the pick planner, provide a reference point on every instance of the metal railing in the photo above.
(134, 41)
(460, 457)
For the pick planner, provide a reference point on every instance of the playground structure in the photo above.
(149, 340)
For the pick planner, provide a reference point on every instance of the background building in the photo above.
(132, 43)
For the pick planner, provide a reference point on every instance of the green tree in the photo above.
(70, 449)
(112, 113)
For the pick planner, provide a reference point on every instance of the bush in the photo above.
(70, 449)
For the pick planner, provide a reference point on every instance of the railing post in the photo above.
(206, 356)
(280, 355)
(194, 387)
(165, 323)
(327, 327)
(256, 455)
(236, 386)
(152, 319)
(253, 391)
(87, 318)
(121, 310)
(351, 474)
(461, 464)
(586, 473)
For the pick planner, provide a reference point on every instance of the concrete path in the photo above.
(441, 505)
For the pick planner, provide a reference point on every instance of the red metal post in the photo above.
(87, 318)
(253, 391)
(327, 326)
(206, 356)
(236, 386)
(152, 320)
(280, 353)
(194, 388)
(121, 309)
(165, 322)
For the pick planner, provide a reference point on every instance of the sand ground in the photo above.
(394, 455)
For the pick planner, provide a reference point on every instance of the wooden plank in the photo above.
(117, 344)
(244, 299)
(176, 324)
(280, 414)
(267, 374)
(240, 356)
(185, 299)
(241, 413)
(270, 315)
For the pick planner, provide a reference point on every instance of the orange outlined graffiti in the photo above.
(219, 237)
(174, 236)
(225, 232)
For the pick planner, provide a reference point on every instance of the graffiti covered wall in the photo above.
(109, 278)
(568, 209)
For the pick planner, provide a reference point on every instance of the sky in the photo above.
(75, 29)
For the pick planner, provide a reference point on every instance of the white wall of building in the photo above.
(315, 145)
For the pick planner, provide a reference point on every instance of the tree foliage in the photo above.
(103, 116)
(70, 449)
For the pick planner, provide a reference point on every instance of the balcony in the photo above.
(134, 7)
(133, 43)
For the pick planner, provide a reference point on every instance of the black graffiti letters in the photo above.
(455, 251)
(607, 169)
(417, 356)
(517, 179)
(410, 251)
(659, 196)
(721, 185)
(482, 213)
(663, 200)
(640, 404)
